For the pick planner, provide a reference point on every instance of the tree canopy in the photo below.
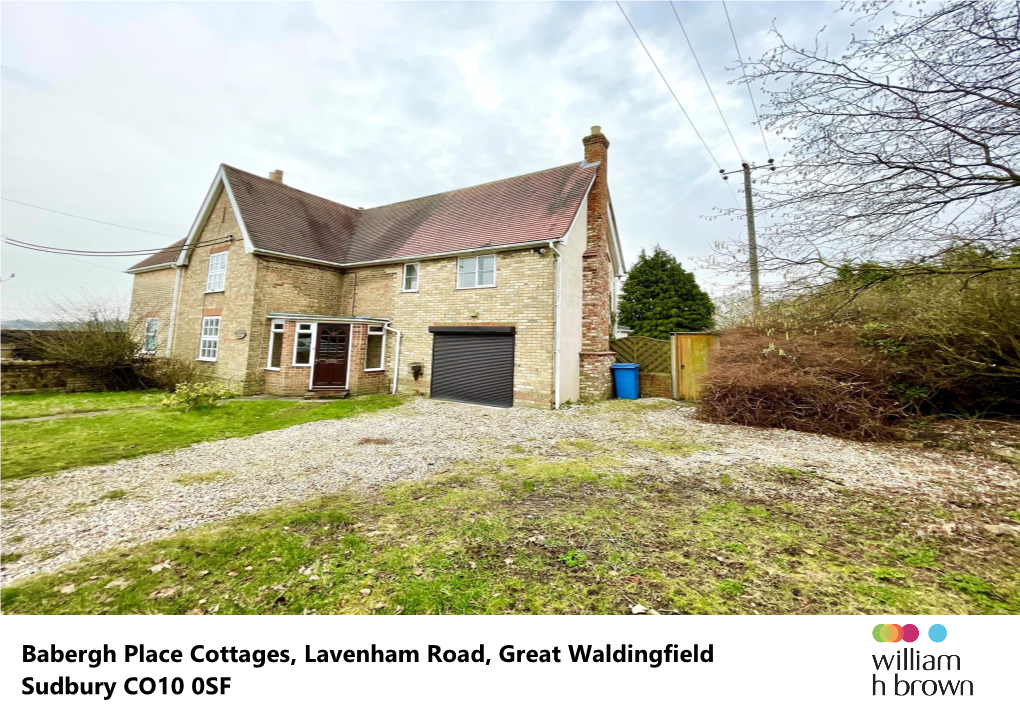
(905, 147)
(660, 297)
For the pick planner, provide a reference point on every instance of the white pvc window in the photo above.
(217, 278)
(411, 271)
(209, 343)
(275, 346)
(151, 338)
(478, 271)
(303, 345)
(375, 348)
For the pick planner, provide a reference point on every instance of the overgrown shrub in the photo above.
(97, 345)
(877, 344)
(165, 373)
(189, 396)
(819, 383)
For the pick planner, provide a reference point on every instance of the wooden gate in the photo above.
(690, 353)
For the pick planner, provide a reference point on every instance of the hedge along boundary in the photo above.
(33, 376)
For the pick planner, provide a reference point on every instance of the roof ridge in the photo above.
(290, 187)
(480, 185)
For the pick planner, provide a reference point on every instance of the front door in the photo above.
(331, 345)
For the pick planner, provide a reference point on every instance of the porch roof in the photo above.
(307, 318)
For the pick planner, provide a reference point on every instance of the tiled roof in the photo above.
(537, 206)
(527, 208)
(167, 255)
(284, 220)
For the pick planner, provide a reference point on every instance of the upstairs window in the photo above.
(209, 344)
(375, 348)
(478, 271)
(411, 278)
(303, 345)
(275, 346)
(217, 278)
(151, 338)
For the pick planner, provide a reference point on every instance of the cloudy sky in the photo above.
(121, 112)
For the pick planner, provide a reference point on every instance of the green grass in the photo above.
(553, 535)
(35, 448)
(50, 404)
(190, 479)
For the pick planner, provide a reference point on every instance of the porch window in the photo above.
(151, 338)
(478, 271)
(275, 345)
(209, 343)
(411, 278)
(217, 278)
(303, 345)
(375, 348)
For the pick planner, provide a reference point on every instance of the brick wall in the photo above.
(234, 304)
(285, 286)
(152, 297)
(524, 297)
(596, 382)
(28, 376)
(655, 385)
(361, 381)
(288, 380)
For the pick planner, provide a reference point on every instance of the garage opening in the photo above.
(473, 364)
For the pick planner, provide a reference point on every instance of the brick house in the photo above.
(500, 293)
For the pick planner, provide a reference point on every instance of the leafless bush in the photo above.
(819, 383)
(165, 373)
(93, 337)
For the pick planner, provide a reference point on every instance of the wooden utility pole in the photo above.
(752, 238)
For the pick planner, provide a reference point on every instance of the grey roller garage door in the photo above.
(473, 364)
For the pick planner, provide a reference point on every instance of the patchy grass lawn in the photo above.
(31, 449)
(34, 405)
(585, 534)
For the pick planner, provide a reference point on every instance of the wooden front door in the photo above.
(331, 345)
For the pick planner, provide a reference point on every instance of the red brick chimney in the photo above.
(596, 383)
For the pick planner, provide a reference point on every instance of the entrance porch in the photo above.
(326, 355)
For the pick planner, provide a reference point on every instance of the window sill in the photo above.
(206, 360)
(408, 291)
(270, 369)
(300, 365)
(213, 292)
(373, 370)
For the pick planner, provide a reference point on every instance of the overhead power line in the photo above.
(109, 253)
(668, 86)
(91, 220)
(743, 74)
(705, 77)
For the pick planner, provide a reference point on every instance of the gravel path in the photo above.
(58, 519)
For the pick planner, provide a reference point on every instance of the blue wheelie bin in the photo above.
(625, 378)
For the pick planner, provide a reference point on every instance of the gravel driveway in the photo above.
(58, 519)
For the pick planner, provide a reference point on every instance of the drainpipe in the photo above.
(173, 311)
(396, 357)
(556, 331)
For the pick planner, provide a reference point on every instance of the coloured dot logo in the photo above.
(894, 632)
(937, 633)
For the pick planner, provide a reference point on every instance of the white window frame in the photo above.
(275, 328)
(476, 271)
(216, 278)
(151, 332)
(207, 336)
(382, 353)
(311, 346)
(417, 278)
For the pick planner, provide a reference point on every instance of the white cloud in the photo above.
(123, 111)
